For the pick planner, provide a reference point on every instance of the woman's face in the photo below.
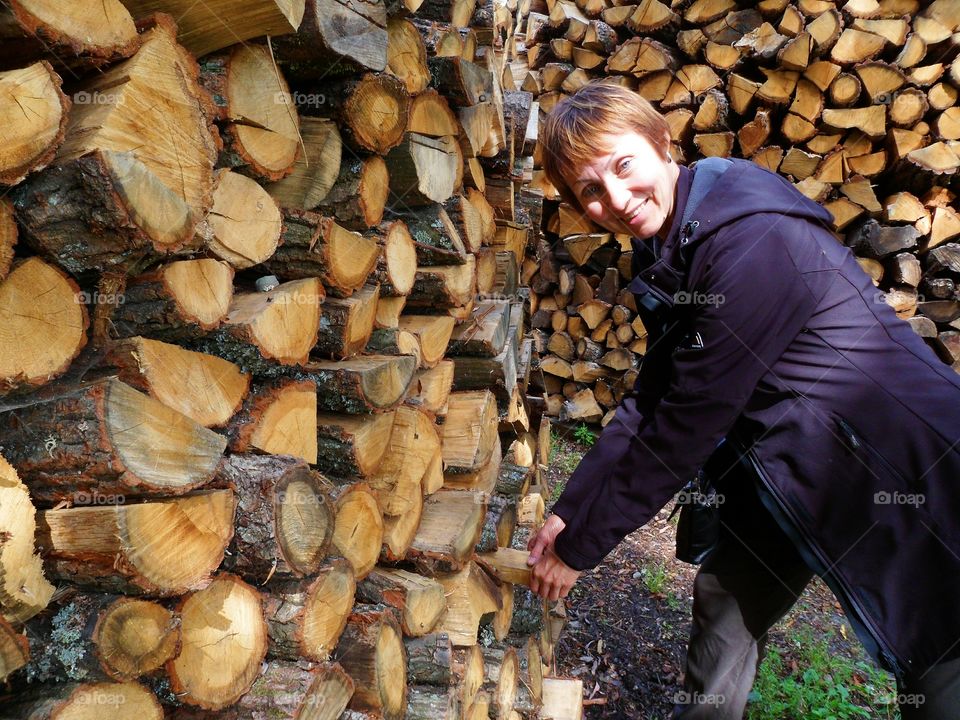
(629, 188)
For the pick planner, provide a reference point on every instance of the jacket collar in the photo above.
(667, 248)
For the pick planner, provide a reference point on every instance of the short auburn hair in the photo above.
(573, 129)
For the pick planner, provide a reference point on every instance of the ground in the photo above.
(628, 623)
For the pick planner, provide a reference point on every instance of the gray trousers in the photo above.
(743, 588)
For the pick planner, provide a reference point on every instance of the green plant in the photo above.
(584, 435)
(818, 684)
(654, 577)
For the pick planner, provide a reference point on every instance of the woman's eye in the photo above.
(589, 190)
(625, 164)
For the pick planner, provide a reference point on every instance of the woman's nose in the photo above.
(618, 196)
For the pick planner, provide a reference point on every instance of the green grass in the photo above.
(805, 681)
(655, 577)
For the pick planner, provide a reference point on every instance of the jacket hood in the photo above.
(744, 189)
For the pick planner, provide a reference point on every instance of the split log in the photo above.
(279, 417)
(352, 34)
(358, 197)
(450, 526)
(207, 389)
(469, 430)
(316, 168)
(444, 286)
(419, 600)
(499, 523)
(562, 698)
(397, 264)
(346, 324)
(410, 456)
(285, 520)
(317, 246)
(372, 653)
(176, 302)
(34, 113)
(430, 660)
(244, 224)
(23, 589)
(358, 533)
(423, 170)
(8, 237)
(388, 312)
(470, 595)
(264, 330)
(286, 691)
(406, 55)
(400, 530)
(126, 187)
(352, 444)
(106, 440)
(43, 337)
(503, 678)
(92, 637)
(216, 24)
(305, 618)
(431, 388)
(224, 640)
(14, 649)
(86, 34)
(432, 334)
(485, 334)
(433, 703)
(507, 565)
(162, 547)
(87, 701)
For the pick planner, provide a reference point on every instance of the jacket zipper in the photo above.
(856, 441)
(847, 596)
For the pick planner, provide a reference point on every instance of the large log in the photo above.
(411, 456)
(359, 528)
(470, 595)
(444, 286)
(397, 264)
(435, 235)
(244, 224)
(162, 547)
(285, 520)
(224, 640)
(360, 385)
(135, 173)
(470, 430)
(105, 442)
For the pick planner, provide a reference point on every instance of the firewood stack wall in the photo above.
(855, 102)
(266, 447)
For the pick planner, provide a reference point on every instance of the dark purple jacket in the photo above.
(852, 421)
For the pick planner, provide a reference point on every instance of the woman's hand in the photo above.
(551, 578)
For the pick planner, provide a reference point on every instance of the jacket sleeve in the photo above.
(751, 303)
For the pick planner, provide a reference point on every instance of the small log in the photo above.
(419, 600)
(469, 430)
(43, 336)
(406, 55)
(503, 679)
(352, 33)
(397, 264)
(370, 383)
(499, 523)
(316, 169)
(412, 453)
(424, 170)
(507, 565)
(110, 202)
(107, 440)
(352, 444)
(358, 197)
(450, 526)
(14, 649)
(285, 520)
(244, 224)
(400, 530)
(128, 554)
(371, 651)
(279, 417)
(347, 324)
(207, 389)
(486, 334)
(470, 595)
(317, 246)
(430, 389)
(224, 640)
(305, 618)
(176, 302)
(562, 698)
(265, 330)
(35, 115)
(358, 533)
(24, 591)
(432, 333)
(436, 238)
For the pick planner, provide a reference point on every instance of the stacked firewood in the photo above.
(855, 102)
(266, 449)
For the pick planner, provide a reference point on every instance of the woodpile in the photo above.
(854, 102)
(264, 435)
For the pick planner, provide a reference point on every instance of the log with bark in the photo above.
(277, 417)
(450, 526)
(85, 701)
(316, 168)
(358, 533)
(410, 462)
(352, 445)
(419, 600)
(358, 197)
(134, 175)
(371, 651)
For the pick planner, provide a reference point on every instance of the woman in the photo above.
(842, 428)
